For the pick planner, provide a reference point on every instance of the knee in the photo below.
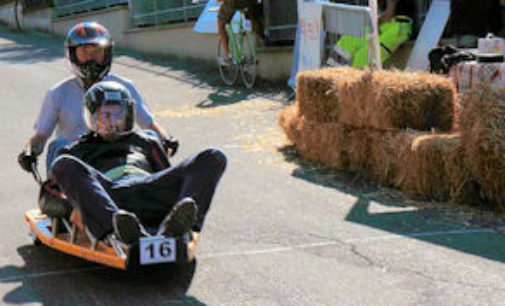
(66, 165)
(214, 158)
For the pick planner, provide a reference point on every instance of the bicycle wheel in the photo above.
(228, 73)
(249, 62)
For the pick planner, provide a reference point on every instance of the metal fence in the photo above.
(153, 13)
(69, 7)
(33, 5)
(350, 32)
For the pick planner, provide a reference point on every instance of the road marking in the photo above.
(353, 240)
(274, 250)
(50, 273)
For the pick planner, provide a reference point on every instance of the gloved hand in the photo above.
(26, 160)
(171, 143)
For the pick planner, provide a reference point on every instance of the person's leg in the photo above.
(224, 38)
(255, 15)
(87, 188)
(202, 174)
(226, 11)
(52, 150)
(180, 219)
(195, 177)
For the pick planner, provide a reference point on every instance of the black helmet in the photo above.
(109, 93)
(89, 33)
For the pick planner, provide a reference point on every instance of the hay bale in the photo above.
(319, 142)
(318, 91)
(383, 159)
(428, 165)
(289, 120)
(394, 99)
(483, 133)
(421, 163)
(462, 184)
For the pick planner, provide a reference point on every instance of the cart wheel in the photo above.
(35, 239)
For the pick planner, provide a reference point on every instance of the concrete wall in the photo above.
(7, 14)
(37, 20)
(182, 41)
(115, 19)
(173, 40)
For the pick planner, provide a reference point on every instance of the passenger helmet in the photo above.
(107, 93)
(89, 33)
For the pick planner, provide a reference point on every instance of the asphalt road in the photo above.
(281, 231)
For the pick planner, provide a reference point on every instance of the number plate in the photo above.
(157, 250)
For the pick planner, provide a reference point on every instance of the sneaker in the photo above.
(180, 219)
(224, 60)
(127, 227)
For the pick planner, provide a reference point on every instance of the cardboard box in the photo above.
(491, 45)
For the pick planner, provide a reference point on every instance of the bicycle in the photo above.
(243, 55)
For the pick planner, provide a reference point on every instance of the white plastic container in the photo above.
(491, 44)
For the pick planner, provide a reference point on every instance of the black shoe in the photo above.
(180, 220)
(127, 227)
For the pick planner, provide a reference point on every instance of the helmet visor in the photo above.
(110, 119)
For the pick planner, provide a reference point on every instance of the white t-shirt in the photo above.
(63, 108)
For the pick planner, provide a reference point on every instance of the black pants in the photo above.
(149, 197)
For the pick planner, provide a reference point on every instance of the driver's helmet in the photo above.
(109, 105)
(89, 33)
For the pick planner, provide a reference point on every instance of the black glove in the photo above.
(26, 161)
(170, 143)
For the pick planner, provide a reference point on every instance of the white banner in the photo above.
(310, 25)
(307, 52)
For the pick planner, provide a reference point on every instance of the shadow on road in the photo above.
(48, 275)
(25, 48)
(201, 73)
(463, 229)
(427, 225)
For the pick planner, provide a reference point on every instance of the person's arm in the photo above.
(169, 142)
(146, 120)
(36, 144)
(162, 134)
(153, 150)
(32, 149)
(389, 12)
(44, 127)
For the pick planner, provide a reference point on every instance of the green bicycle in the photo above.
(243, 55)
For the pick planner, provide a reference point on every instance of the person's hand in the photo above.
(26, 160)
(170, 145)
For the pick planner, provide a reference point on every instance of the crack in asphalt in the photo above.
(350, 242)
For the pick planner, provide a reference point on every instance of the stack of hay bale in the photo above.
(482, 126)
(395, 127)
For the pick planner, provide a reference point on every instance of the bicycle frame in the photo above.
(236, 47)
(243, 55)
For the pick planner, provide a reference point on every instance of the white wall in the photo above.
(37, 20)
(115, 19)
(7, 15)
